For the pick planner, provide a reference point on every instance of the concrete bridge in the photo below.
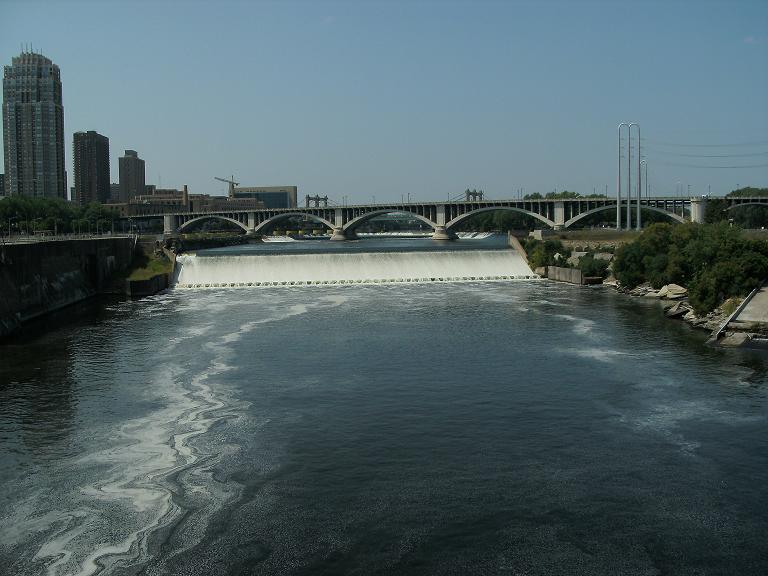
(444, 217)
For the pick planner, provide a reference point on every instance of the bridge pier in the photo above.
(698, 210)
(338, 235)
(170, 224)
(441, 233)
(559, 215)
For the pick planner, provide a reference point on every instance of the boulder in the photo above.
(673, 291)
(690, 316)
(735, 339)
(676, 310)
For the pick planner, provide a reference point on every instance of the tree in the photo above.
(591, 266)
(715, 261)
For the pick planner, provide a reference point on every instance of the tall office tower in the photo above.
(91, 151)
(33, 128)
(131, 176)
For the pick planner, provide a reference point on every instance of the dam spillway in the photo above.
(361, 267)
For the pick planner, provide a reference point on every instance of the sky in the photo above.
(381, 100)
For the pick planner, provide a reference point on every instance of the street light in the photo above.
(10, 218)
(629, 170)
(618, 181)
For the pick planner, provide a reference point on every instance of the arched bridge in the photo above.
(443, 217)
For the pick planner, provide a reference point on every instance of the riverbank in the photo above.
(719, 323)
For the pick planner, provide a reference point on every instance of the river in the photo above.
(470, 427)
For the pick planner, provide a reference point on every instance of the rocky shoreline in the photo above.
(676, 306)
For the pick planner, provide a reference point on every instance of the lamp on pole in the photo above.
(10, 219)
(639, 187)
(618, 181)
(629, 169)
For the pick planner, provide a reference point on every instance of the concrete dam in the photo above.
(239, 270)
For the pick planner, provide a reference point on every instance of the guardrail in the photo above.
(32, 238)
(716, 333)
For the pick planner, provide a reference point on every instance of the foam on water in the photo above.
(128, 493)
(350, 268)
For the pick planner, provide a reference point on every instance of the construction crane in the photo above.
(231, 182)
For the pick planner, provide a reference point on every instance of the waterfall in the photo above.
(197, 271)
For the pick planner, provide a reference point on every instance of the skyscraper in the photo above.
(91, 152)
(131, 175)
(33, 127)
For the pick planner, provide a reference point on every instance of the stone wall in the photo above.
(41, 277)
(137, 288)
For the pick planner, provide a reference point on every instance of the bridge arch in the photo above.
(284, 216)
(732, 206)
(667, 213)
(189, 223)
(450, 225)
(355, 222)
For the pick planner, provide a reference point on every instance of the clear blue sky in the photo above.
(387, 98)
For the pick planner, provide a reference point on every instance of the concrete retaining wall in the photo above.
(41, 277)
(146, 287)
(570, 275)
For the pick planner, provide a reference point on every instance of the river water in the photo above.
(474, 427)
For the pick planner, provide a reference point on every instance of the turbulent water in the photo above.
(435, 428)
(364, 263)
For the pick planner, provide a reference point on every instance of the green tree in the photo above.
(591, 266)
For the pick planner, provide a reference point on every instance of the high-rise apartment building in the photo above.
(33, 127)
(131, 176)
(91, 152)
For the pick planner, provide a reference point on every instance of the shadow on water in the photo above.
(37, 381)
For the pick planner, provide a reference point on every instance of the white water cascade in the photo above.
(350, 268)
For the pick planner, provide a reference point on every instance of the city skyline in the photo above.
(33, 127)
(429, 99)
(90, 153)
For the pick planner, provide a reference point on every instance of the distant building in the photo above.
(2, 184)
(114, 192)
(272, 196)
(131, 176)
(33, 128)
(169, 200)
(91, 160)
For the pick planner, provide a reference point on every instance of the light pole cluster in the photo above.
(629, 127)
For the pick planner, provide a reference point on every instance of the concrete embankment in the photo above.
(38, 278)
(748, 325)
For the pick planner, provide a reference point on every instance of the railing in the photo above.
(34, 238)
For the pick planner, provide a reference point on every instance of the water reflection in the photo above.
(38, 382)
(36, 386)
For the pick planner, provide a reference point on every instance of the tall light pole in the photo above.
(643, 164)
(10, 219)
(618, 181)
(629, 169)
